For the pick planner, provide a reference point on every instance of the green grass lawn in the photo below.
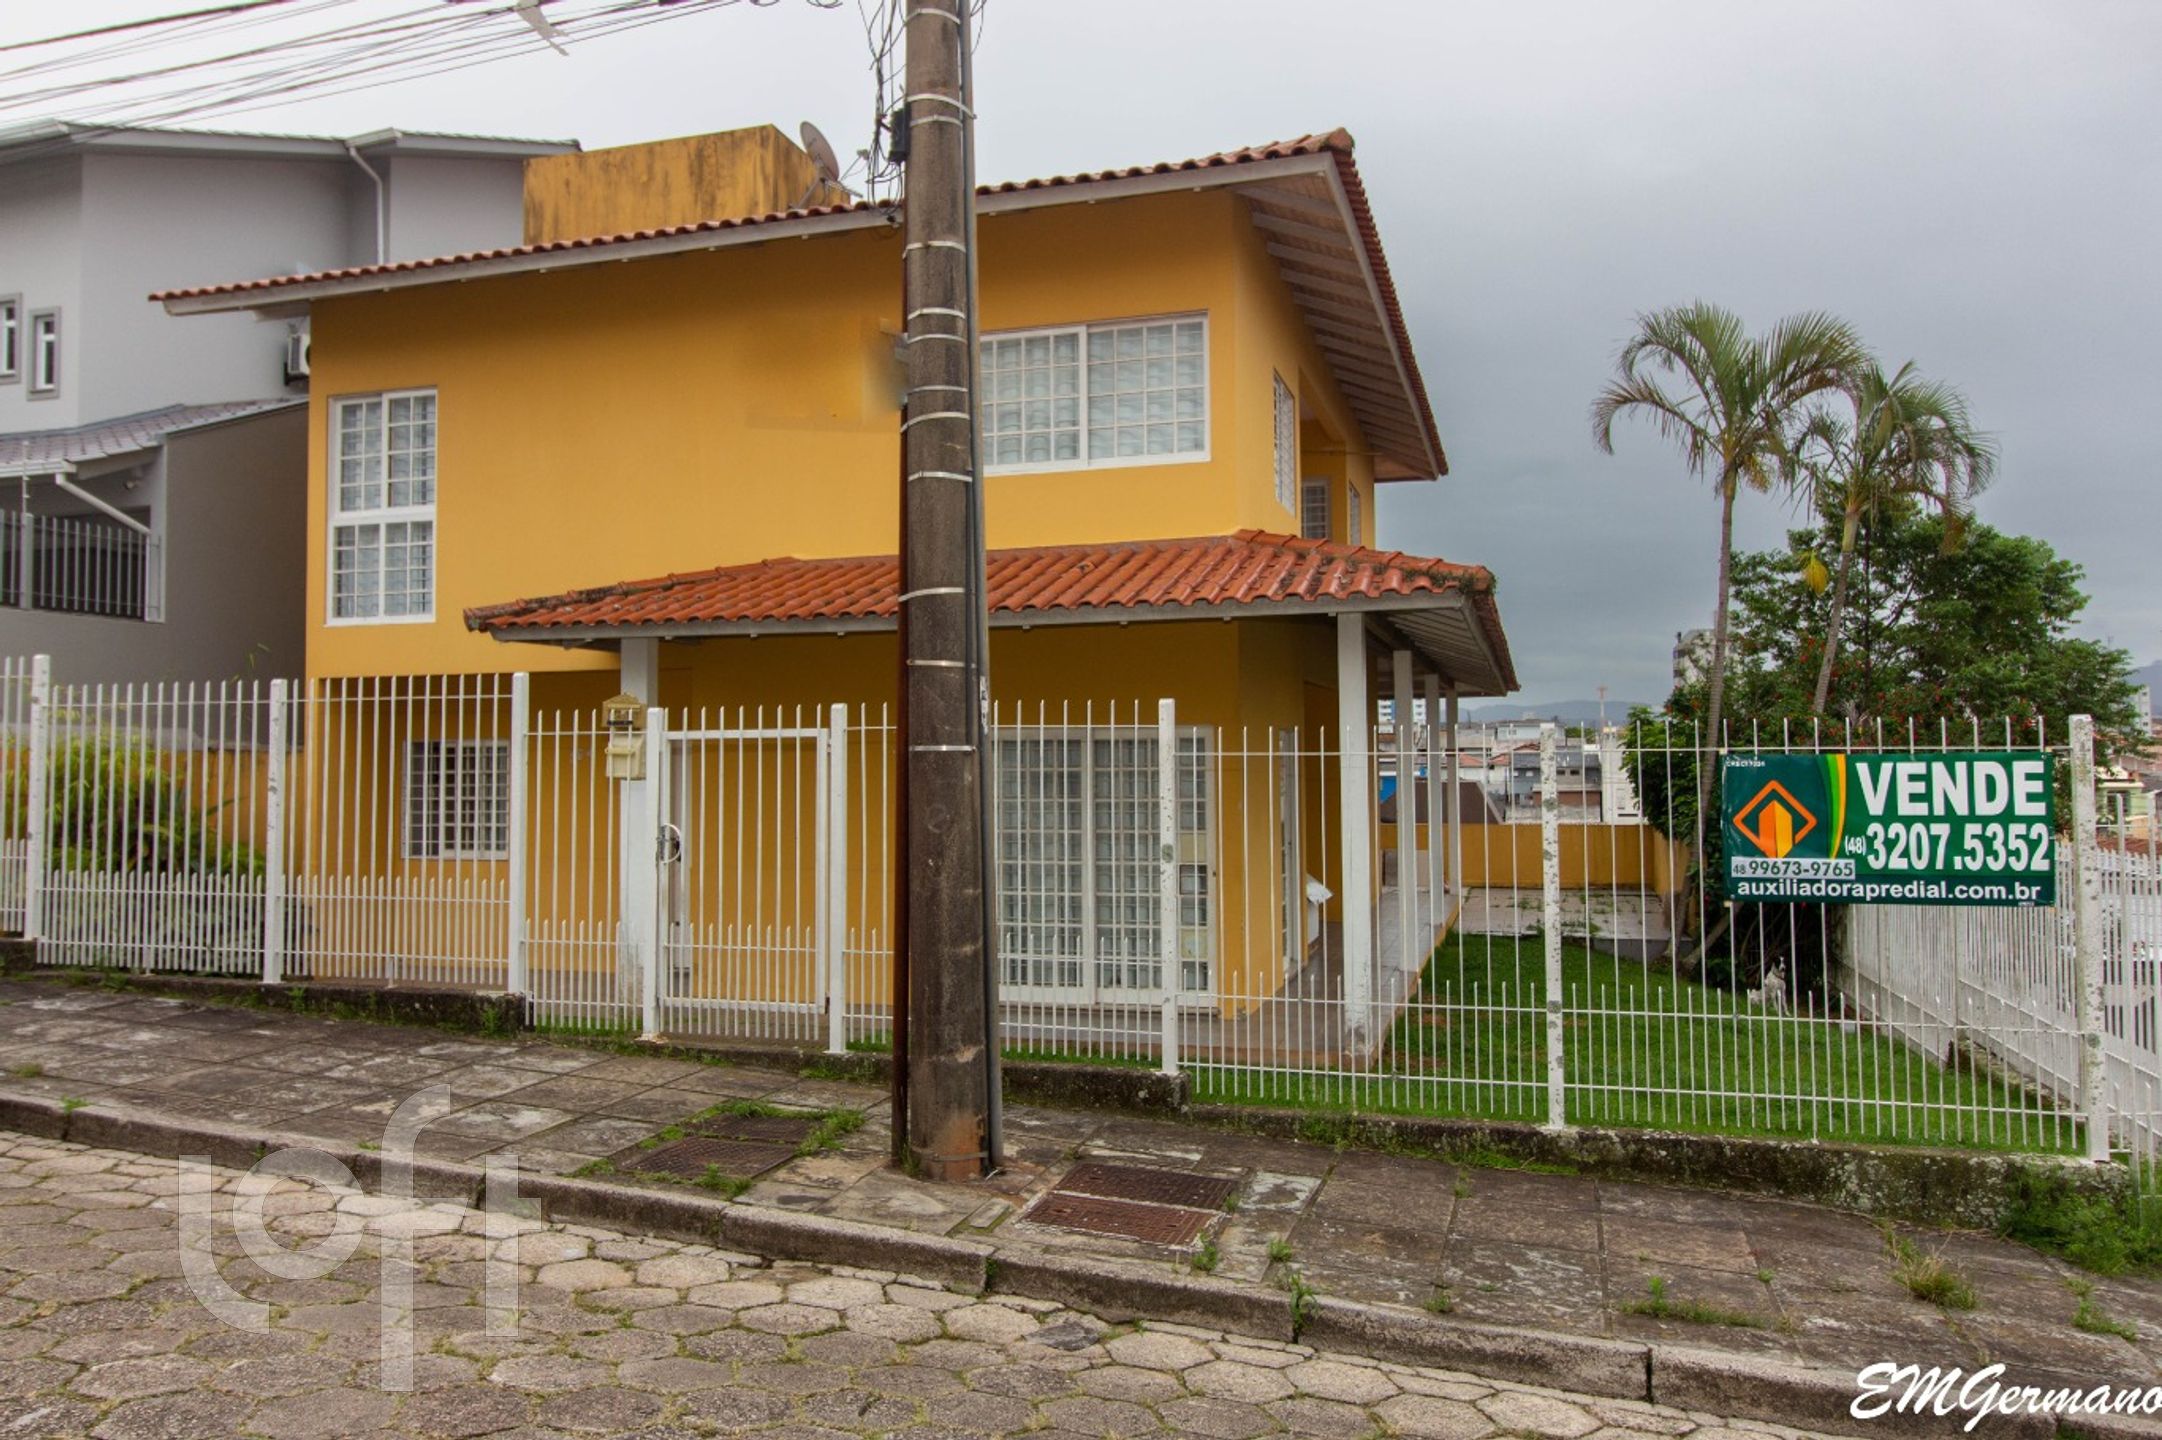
(1645, 1048)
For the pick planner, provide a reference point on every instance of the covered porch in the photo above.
(1246, 672)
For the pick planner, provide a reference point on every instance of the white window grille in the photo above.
(1354, 515)
(1287, 446)
(1089, 395)
(1077, 852)
(11, 338)
(457, 800)
(1314, 514)
(44, 352)
(382, 521)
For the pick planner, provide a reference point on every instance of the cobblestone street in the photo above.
(108, 1334)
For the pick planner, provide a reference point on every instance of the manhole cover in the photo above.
(789, 1130)
(738, 1159)
(1157, 1224)
(1155, 1187)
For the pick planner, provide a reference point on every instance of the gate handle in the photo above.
(668, 845)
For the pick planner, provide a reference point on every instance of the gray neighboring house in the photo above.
(152, 471)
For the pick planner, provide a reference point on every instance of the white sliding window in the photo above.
(1087, 395)
(1078, 905)
(382, 508)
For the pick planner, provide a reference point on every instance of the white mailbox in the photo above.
(624, 718)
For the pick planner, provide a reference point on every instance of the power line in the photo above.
(154, 21)
(341, 59)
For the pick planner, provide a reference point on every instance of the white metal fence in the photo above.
(1284, 917)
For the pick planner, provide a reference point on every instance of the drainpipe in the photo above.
(382, 204)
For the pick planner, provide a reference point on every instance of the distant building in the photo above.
(1692, 656)
(153, 471)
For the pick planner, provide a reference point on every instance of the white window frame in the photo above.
(443, 834)
(1101, 973)
(11, 339)
(1309, 489)
(382, 516)
(1284, 426)
(43, 339)
(1114, 462)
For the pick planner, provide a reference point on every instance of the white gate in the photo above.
(750, 885)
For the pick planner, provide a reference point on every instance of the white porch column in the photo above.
(1411, 955)
(637, 887)
(1440, 824)
(1455, 802)
(1355, 799)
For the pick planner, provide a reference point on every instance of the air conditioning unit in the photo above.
(296, 356)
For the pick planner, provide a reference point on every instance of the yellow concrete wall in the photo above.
(1594, 856)
(624, 421)
(724, 176)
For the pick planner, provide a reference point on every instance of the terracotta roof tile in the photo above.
(1209, 574)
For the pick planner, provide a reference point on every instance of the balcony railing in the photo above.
(81, 565)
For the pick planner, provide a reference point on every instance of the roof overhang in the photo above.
(1445, 630)
(42, 139)
(1305, 200)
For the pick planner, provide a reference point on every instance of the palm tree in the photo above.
(1738, 404)
(1909, 440)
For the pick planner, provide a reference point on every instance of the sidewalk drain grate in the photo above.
(786, 1130)
(738, 1159)
(1154, 1187)
(1157, 1224)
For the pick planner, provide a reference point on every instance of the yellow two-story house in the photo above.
(654, 451)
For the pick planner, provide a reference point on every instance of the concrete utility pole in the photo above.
(945, 1068)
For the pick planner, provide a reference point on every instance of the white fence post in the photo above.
(1550, 868)
(515, 979)
(274, 840)
(40, 801)
(1167, 876)
(833, 883)
(2087, 941)
(1410, 953)
(642, 899)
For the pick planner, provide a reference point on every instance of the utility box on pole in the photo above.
(944, 1083)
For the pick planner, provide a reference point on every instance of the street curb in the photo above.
(1740, 1386)
(1584, 1363)
(961, 1264)
(1122, 1290)
(1746, 1385)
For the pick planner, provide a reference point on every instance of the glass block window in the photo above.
(1354, 515)
(1096, 395)
(1078, 904)
(382, 522)
(1287, 445)
(1314, 512)
(457, 800)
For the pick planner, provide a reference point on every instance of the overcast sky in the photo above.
(1972, 184)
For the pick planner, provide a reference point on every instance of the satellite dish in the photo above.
(823, 158)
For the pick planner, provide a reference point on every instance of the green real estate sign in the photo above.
(1961, 828)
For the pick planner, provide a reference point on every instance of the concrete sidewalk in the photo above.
(1732, 1291)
